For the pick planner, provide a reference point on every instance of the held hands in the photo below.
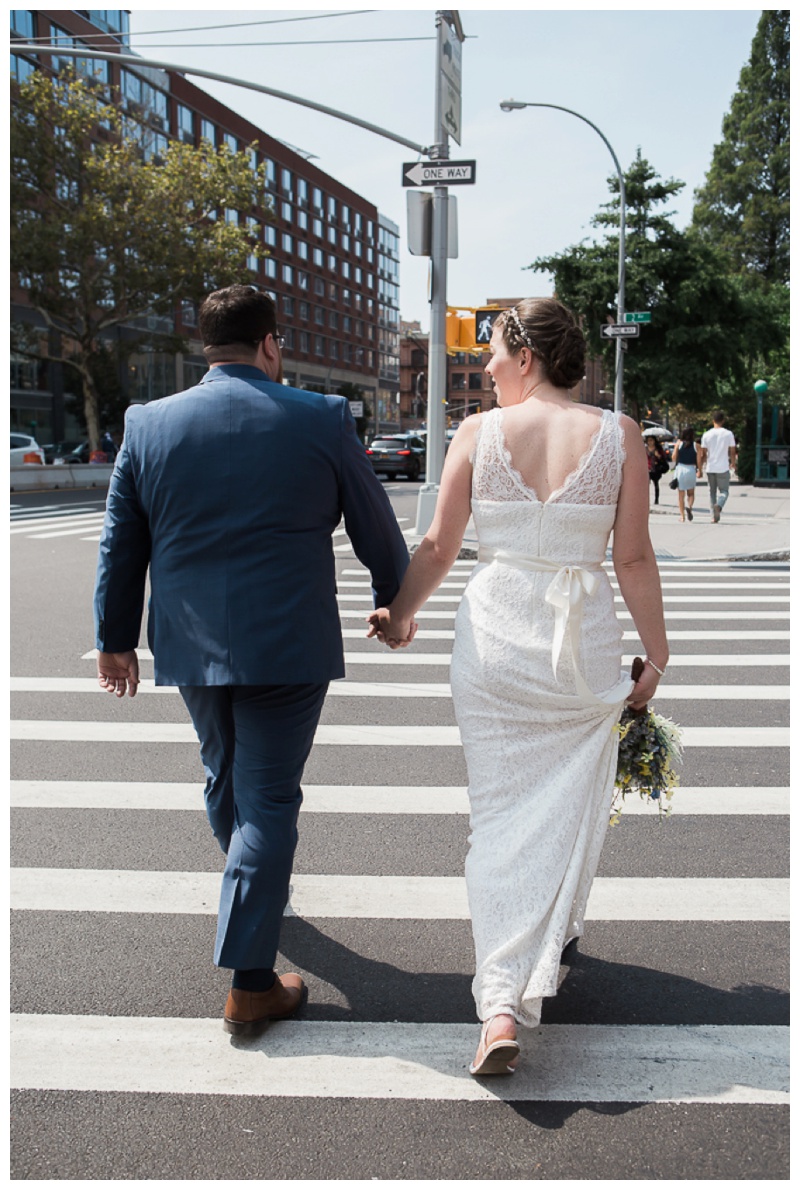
(396, 633)
(118, 672)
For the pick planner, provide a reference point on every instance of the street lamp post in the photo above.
(509, 105)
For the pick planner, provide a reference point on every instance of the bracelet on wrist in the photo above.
(657, 668)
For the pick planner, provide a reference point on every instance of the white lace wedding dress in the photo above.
(538, 686)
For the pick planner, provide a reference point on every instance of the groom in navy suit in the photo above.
(229, 493)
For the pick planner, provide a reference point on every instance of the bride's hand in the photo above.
(396, 633)
(644, 690)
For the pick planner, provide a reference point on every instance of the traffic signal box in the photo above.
(469, 328)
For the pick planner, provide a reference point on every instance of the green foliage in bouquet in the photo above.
(649, 749)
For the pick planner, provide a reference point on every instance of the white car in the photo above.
(22, 445)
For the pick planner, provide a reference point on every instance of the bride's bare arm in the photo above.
(439, 547)
(635, 562)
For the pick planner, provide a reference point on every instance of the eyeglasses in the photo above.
(280, 340)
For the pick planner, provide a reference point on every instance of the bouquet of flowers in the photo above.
(649, 749)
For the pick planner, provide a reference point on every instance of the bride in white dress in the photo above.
(536, 673)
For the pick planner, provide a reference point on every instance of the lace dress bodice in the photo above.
(574, 523)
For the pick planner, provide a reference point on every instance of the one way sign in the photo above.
(439, 173)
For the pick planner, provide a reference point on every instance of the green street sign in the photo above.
(633, 317)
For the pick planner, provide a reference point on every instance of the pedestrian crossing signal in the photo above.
(484, 325)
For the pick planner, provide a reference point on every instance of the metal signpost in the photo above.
(447, 123)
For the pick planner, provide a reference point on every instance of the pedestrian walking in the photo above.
(229, 493)
(684, 456)
(109, 446)
(657, 462)
(718, 455)
(536, 669)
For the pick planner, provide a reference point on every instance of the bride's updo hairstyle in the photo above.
(550, 331)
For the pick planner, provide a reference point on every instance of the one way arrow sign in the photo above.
(439, 173)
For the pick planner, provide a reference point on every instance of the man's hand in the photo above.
(118, 672)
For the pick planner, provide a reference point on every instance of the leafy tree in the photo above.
(102, 238)
(702, 318)
(744, 204)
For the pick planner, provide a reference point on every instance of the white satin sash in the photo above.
(566, 592)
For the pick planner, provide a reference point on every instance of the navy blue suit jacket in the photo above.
(230, 493)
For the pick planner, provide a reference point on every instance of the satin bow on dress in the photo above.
(565, 593)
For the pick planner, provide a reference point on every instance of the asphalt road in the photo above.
(663, 1055)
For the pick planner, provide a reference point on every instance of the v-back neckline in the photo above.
(562, 487)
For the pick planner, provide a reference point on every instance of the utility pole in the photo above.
(437, 354)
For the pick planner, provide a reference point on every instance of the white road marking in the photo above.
(399, 1060)
(676, 661)
(367, 799)
(741, 617)
(440, 898)
(345, 688)
(369, 735)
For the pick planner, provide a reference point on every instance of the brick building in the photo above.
(333, 263)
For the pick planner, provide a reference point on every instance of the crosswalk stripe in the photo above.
(439, 898)
(346, 613)
(366, 799)
(680, 661)
(744, 1064)
(351, 689)
(358, 585)
(369, 735)
(366, 599)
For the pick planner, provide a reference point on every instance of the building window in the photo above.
(232, 216)
(286, 242)
(269, 172)
(345, 270)
(230, 140)
(347, 324)
(271, 268)
(286, 181)
(302, 280)
(252, 157)
(333, 292)
(188, 314)
(333, 320)
(359, 302)
(319, 316)
(185, 123)
(345, 242)
(302, 192)
(458, 381)
(270, 235)
(319, 287)
(319, 345)
(302, 220)
(304, 311)
(358, 276)
(475, 381)
(302, 249)
(331, 208)
(317, 202)
(332, 263)
(288, 338)
(22, 23)
(370, 280)
(345, 216)
(286, 211)
(287, 305)
(252, 262)
(334, 349)
(346, 296)
(331, 235)
(304, 341)
(318, 257)
(208, 131)
(317, 228)
(357, 247)
(288, 274)
(21, 68)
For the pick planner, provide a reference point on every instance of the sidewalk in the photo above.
(754, 525)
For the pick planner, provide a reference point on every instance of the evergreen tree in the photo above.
(744, 204)
(703, 319)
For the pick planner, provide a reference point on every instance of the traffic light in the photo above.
(469, 329)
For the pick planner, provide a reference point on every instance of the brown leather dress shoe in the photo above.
(249, 1012)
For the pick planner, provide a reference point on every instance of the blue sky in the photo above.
(656, 80)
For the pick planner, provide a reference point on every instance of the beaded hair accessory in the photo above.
(523, 334)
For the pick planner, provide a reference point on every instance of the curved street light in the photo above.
(510, 105)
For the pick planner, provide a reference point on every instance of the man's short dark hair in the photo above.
(237, 316)
(718, 417)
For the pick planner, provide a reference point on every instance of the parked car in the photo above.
(66, 451)
(22, 445)
(397, 454)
